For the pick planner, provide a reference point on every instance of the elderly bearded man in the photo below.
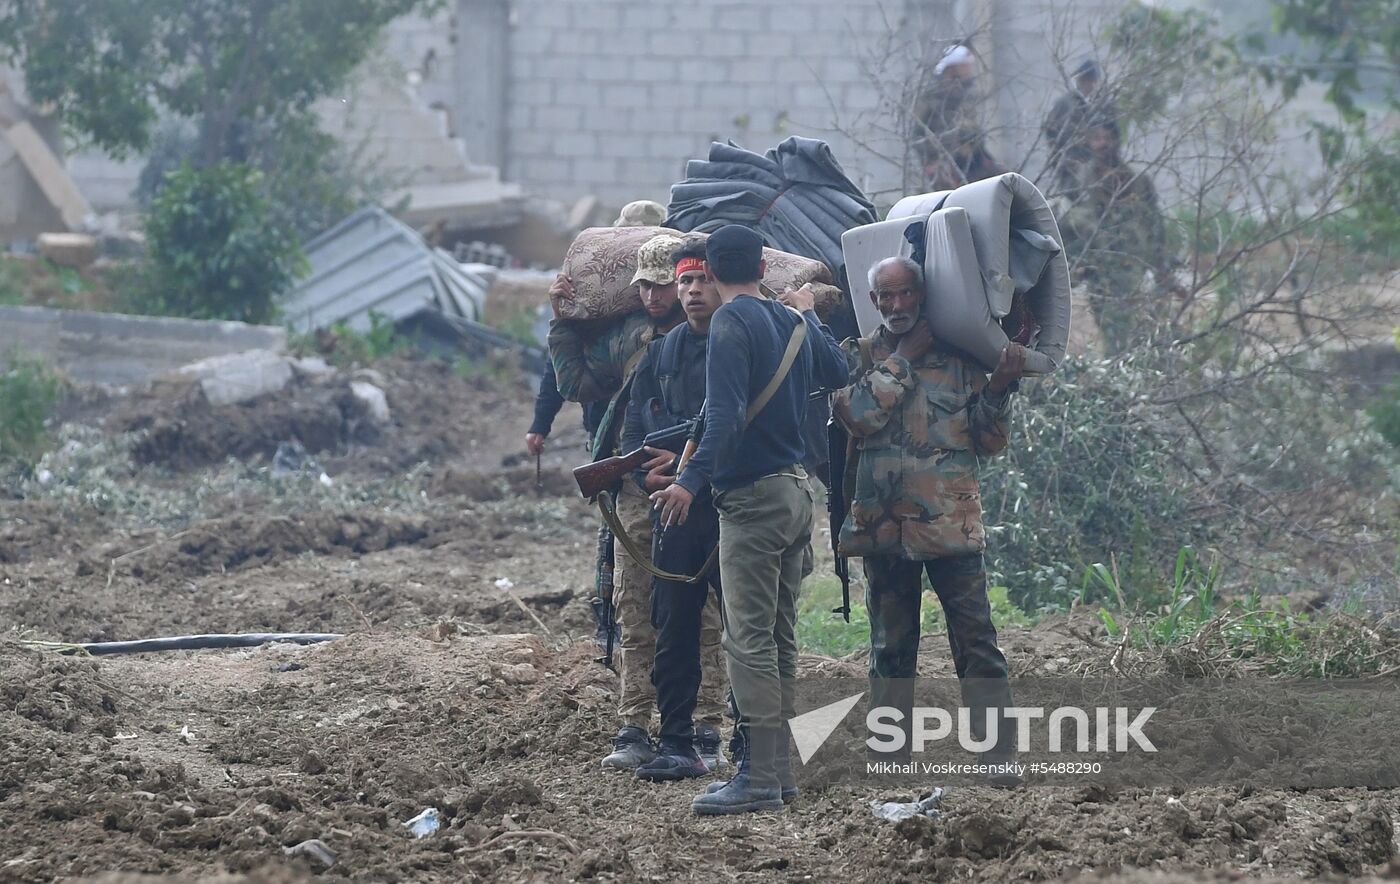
(922, 417)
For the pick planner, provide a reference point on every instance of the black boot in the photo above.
(755, 787)
(631, 749)
(787, 781)
(676, 760)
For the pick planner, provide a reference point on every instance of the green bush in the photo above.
(1085, 478)
(217, 251)
(28, 393)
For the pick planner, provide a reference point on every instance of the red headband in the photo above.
(685, 265)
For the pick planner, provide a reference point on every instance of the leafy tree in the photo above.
(1355, 49)
(113, 68)
(221, 91)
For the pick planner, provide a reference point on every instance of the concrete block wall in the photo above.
(611, 97)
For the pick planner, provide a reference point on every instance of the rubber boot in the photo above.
(755, 787)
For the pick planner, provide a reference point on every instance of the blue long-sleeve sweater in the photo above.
(747, 339)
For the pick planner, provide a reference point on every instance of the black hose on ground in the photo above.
(197, 642)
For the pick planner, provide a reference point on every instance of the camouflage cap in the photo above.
(654, 260)
(641, 213)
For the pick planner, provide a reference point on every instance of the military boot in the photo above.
(708, 744)
(631, 749)
(755, 787)
(676, 760)
(787, 781)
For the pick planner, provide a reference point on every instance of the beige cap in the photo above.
(641, 213)
(654, 260)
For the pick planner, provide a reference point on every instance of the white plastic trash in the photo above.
(425, 824)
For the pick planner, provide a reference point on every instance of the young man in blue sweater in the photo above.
(765, 500)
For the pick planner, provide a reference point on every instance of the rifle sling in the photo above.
(609, 510)
(794, 346)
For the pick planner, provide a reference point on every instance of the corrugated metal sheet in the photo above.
(372, 263)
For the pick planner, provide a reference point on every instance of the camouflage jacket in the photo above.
(920, 429)
(590, 358)
(1111, 216)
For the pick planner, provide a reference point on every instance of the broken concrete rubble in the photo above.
(375, 403)
(240, 377)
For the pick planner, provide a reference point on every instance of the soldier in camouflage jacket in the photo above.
(921, 417)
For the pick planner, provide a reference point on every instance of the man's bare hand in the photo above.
(673, 503)
(801, 300)
(914, 343)
(534, 443)
(659, 469)
(1010, 368)
(562, 290)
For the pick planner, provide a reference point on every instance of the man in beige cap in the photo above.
(641, 213)
(592, 365)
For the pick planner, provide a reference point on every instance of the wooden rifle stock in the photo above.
(600, 475)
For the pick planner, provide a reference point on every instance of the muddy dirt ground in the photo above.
(464, 683)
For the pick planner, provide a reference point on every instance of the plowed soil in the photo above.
(465, 682)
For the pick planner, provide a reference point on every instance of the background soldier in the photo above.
(947, 138)
(669, 389)
(1067, 125)
(1114, 233)
(923, 417)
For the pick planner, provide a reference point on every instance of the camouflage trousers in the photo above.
(632, 600)
(893, 597)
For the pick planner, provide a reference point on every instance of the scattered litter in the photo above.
(186, 735)
(894, 811)
(315, 849)
(505, 583)
(425, 824)
(44, 477)
(121, 736)
(326, 480)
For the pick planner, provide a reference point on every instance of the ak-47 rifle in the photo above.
(600, 475)
(838, 453)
